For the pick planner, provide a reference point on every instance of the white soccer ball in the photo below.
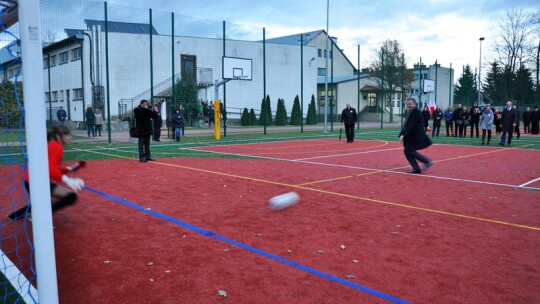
(283, 201)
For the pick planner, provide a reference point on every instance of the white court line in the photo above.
(19, 282)
(347, 154)
(371, 169)
(529, 182)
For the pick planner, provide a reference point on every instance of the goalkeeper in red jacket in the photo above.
(61, 196)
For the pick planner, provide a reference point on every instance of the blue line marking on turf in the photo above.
(249, 248)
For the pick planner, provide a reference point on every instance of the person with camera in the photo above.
(144, 116)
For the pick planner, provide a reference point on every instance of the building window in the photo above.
(10, 73)
(64, 57)
(320, 53)
(53, 60)
(47, 97)
(76, 54)
(45, 63)
(61, 95)
(77, 94)
(324, 53)
(321, 72)
(331, 54)
(55, 96)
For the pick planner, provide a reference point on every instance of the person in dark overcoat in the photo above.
(535, 119)
(158, 122)
(508, 122)
(144, 116)
(348, 119)
(414, 138)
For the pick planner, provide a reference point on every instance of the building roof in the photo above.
(121, 27)
(340, 79)
(295, 39)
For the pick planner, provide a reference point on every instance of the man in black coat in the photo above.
(144, 117)
(348, 119)
(508, 122)
(158, 122)
(527, 120)
(474, 114)
(414, 138)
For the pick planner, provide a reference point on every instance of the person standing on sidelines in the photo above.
(144, 116)
(448, 115)
(437, 117)
(62, 197)
(497, 118)
(98, 122)
(413, 136)
(158, 122)
(456, 117)
(516, 128)
(61, 115)
(178, 122)
(348, 119)
(535, 121)
(426, 115)
(474, 114)
(486, 121)
(90, 121)
(527, 120)
(508, 122)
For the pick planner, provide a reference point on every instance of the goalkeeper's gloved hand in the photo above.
(76, 166)
(74, 184)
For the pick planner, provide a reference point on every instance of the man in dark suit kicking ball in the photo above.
(414, 138)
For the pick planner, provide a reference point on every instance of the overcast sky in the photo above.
(443, 30)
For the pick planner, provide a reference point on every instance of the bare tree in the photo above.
(388, 65)
(513, 43)
(535, 50)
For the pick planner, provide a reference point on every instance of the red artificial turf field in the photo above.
(180, 230)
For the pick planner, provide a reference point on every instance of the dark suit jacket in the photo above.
(349, 116)
(144, 122)
(414, 135)
(509, 118)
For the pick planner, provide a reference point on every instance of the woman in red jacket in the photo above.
(61, 196)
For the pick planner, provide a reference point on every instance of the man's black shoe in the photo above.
(150, 159)
(143, 160)
(501, 144)
(416, 171)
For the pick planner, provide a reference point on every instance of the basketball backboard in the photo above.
(236, 68)
(429, 86)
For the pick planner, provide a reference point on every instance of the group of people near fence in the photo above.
(507, 122)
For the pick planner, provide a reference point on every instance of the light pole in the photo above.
(326, 71)
(479, 69)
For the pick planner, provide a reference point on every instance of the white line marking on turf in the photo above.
(19, 282)
(529, 182)
(347, 154)
(370, 169)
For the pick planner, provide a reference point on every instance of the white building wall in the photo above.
(130, 64)
(342, 66)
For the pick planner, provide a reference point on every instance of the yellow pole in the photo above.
(217, 121)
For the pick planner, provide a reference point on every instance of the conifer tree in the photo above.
(244, 119)
(465, 92)
(296, 113)
(312, 112)
(252, 117)
(281, 113)
(263, 116)
(268, 110)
